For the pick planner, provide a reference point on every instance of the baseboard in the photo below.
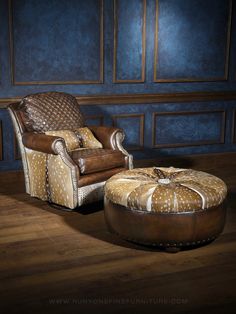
(206, 161)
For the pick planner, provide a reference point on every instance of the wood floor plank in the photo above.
(54, 261)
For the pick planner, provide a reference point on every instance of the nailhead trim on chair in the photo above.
(89, 193)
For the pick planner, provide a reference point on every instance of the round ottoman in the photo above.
(165, 207)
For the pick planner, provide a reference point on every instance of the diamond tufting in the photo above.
(51, 111)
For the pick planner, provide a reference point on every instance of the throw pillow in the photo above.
(71, 140)
(87, 138)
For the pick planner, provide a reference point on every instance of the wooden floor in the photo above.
(66, 262)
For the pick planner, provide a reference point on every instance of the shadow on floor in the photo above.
(88, 219)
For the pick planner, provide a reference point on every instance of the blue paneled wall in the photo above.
(126, 47)
(192, 40)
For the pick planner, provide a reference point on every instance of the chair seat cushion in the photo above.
(97, 159)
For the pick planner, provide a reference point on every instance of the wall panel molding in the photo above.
(221, 139)
(52, 82)
(139, 145)
(189, 79)
(143, 99)
(115, 46)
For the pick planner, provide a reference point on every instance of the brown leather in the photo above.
(165, 229)
(40, 142)
(50, 111)
(53, 111)
(14, 108)
(97, 159)
(101, 176)
(106, 135)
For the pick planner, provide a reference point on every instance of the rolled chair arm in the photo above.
(41, 142)
(112, 138)
(107, 135)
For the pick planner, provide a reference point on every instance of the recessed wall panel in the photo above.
(192, 40)
(179, 129)
(56, 42)
(95, 120)
(133, 126)
(129, 41)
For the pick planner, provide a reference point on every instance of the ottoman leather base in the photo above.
(167, 230)
(165, 207)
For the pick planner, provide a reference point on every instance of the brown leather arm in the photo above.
(106, 135)
(41, 142)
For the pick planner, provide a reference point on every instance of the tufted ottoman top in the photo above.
(165, 190)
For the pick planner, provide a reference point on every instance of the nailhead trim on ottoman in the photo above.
(167, 207)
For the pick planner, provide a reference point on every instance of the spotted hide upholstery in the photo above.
(52, 136)
(166, 190)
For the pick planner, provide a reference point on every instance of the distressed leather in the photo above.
(40, 142)
(95, 177)
(50, 111)
(97, 159)
(106, 135)
(165, 207)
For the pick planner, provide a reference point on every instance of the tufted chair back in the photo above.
(50, 111)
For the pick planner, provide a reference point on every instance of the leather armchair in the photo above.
(54, 173)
